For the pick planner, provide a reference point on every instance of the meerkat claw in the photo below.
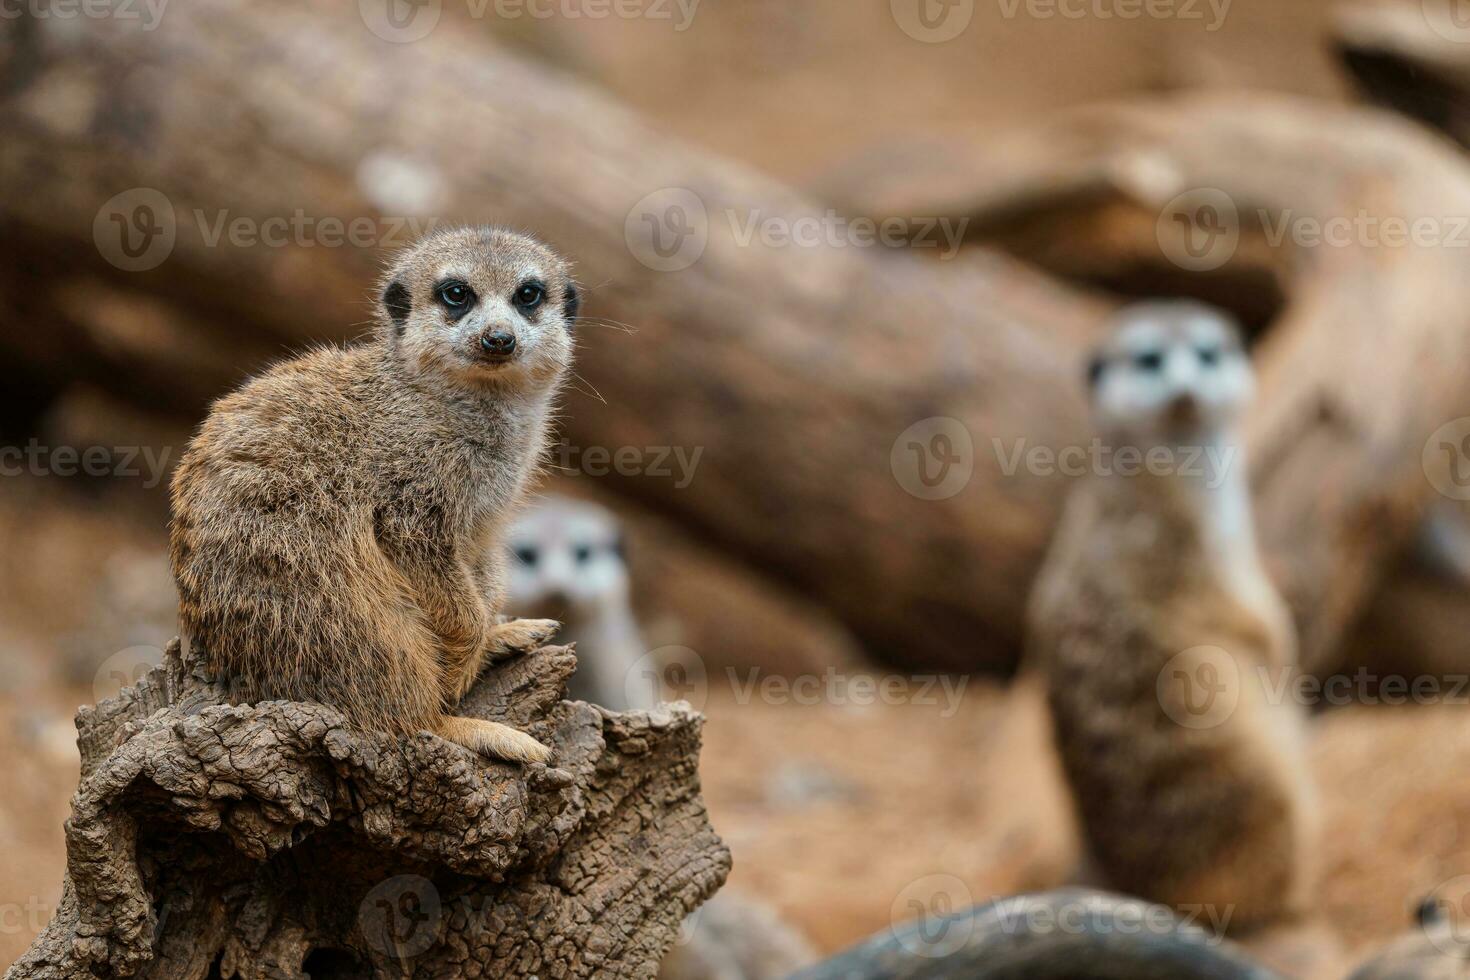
(521, 635)
(491, 738)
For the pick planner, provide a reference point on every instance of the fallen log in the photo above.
(859, 409)
(1410, 58)
(1048, 936)
(816, 380)
(212, 839)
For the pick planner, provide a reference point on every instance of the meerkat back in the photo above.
(1165, 647)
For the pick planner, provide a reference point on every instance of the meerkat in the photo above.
(1163, 643)
(338, 521)
(569, 564)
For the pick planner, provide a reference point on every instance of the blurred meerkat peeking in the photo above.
(569, 564)
(338, 522)
(1161, 636)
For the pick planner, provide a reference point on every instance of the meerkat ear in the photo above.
(398, 304)
(1095, 367)
(572, 304)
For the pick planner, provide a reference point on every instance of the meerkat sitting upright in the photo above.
(338, 521)
(569, 564)
(1164, 644)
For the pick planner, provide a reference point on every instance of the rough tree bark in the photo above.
(210, 839)
(798, 371)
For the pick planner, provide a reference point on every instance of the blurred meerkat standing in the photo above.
(338, 521)
(569, 564)
(1161, 636)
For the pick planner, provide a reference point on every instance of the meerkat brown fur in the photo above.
(1164, 644)
(338, 521)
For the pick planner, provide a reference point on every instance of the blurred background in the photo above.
(842, 262)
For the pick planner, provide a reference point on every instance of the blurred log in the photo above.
(1049, 936)
(1411, 58)
(1279, 210)
(798, 372)
(795, 370)
(270, 840)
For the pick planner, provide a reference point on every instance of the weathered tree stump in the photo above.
(270, 840)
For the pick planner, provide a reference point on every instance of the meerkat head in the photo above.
(567, 558)
(1170, 370)
(483, 307)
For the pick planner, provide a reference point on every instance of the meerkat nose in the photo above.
(498, 343)
(1183, 407)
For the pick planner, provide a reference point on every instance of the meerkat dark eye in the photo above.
(456, 295)
(583, 554)
(1150, 360)
(1209, 356)
(526, 556)
(530, 295)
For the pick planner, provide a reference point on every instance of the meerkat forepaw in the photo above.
(493, 739)
(521, 635)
